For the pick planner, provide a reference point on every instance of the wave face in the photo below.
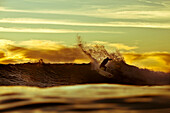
(122, 72)
(47, 75)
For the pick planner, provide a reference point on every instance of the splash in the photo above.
(98, 52)
(122, 72)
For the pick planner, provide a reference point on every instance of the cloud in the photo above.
(33, 50)
(74, 23)
(140, 24)
(40, 30)
(2, 54)
(118, 46)
(129, 12)
(42, 44)
(64, 54)
(55, 52)
(9, 61)
(161, 2)
(158, 61)
(4, 42)
(122, 46)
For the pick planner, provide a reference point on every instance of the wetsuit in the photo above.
(104, 63)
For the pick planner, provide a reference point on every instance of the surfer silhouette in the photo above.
(102, 65)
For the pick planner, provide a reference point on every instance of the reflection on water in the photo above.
(100, 98)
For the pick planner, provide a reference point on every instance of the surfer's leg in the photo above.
(105, 68)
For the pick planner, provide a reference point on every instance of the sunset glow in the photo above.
(47, 30)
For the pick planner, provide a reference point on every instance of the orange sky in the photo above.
(55, 52)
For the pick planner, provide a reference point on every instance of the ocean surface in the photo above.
(75, 88)
(85, 98)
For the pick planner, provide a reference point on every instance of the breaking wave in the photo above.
(120, 69)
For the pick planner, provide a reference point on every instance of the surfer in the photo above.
(102, 65)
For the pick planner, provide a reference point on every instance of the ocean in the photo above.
(85, 98)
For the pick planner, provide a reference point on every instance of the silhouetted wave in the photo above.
(46, 75)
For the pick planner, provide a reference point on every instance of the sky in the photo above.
(34, 29)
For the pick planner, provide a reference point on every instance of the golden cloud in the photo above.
(2, 54)
(64, 54)
(157, 61)
(122, 46)
(56, 52)
(33, 50)
(119, 46)
(9, 61)
(42, 44)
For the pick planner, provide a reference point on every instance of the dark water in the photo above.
(92, 98)
(54, 90)
(47, 75)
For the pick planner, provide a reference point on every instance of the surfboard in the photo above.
(104, 73)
